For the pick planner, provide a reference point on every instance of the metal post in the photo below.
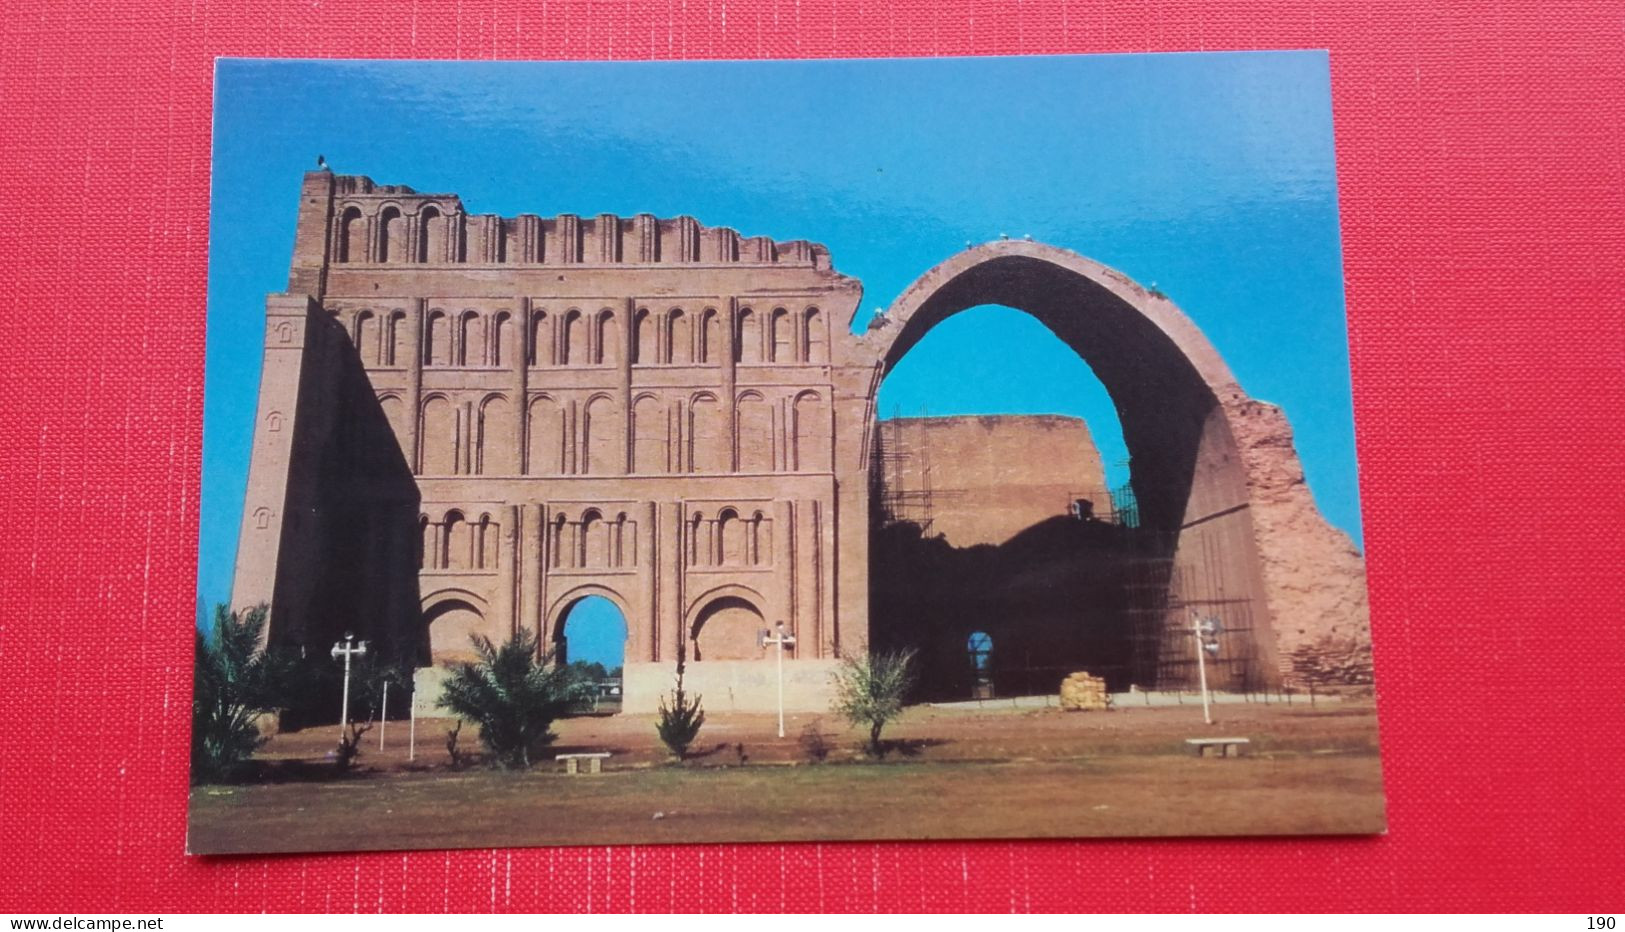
(412, 727)
(1201, 667)
(383, 715)
(347, 650)
(344, 707)
(778, 640)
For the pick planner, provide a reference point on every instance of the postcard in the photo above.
(669, 452)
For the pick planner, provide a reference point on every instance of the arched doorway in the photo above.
(979, 652)
(452, 624)
(726, 628)
(1195, 543)
(590, 638)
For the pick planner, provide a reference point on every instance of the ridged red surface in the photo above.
(1481, 156)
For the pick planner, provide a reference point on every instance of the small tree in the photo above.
(234, 683)
(679, 723)
(869, 691)
(511, 696)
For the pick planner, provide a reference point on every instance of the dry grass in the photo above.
(959, 774)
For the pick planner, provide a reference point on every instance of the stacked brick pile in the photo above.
(1331, 661)
(1082, 691)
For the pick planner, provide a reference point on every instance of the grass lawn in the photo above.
(964, 775)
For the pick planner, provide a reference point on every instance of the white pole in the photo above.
(1201, 667)
(781, 684)
(412, 727)
(383, 715)
(344, 706)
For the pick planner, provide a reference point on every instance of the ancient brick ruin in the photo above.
(468, 423)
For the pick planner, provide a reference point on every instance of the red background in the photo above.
(1481, 158)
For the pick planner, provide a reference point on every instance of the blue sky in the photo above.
(1210, 176)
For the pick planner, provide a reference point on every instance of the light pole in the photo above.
(347, 649)
(781, 639)
(1206, 632)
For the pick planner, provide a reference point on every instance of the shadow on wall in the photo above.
(359, 546)
(1065, 595)
(1050, 601)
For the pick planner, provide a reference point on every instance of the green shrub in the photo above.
(679, 723)
(234, 683)
(511, 696)
(869, 691)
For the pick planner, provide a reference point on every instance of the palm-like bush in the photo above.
(234, 683)
(869, 691)
(511, 696)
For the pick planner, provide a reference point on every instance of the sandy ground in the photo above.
(959, 773)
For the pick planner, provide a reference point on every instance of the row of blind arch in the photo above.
(595, 540)
(426, 237)
(570, 338)
(600, 439)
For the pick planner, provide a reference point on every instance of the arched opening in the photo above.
(352, 236)
(594, 540)
(452, 624)
(753, 420)
(545, 438)
(710, 342)
(456, 543)
(814, 338)
(395, 414)
(437, 340)
(727, 628)
(649, 446)
(495, 453)
(437, 437)
(606, 340)
(603, 443)
(470, 340)
(391, 234)
(590, 637)
(747, 337)
(730, 538)
(679, 339)
(709, 445)
(1068, 565)
(573, 346)
(431, 235)
(395, 351)
(501, 352)
(366, 337)
(485, 544)
(643, 338)
(540, 342)
(810, 433)
(781, 344)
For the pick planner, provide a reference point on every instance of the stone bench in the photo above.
(572, 762)
(1221, 747)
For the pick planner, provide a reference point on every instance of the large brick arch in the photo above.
(1213, 470)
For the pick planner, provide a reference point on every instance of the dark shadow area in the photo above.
(909, 747)
(349, 553)
(1053, 600)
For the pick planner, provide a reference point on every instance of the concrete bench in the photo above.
(1221, 747)
(572, 762)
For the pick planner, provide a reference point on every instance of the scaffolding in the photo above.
(1164, 595)
(899, 503)
(1125, 507)
(1165, 579)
